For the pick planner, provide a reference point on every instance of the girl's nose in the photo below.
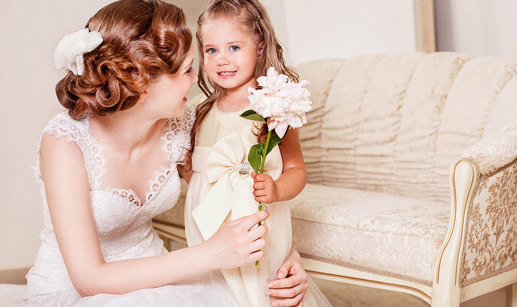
(222, 59)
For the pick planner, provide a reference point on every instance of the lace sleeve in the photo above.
(62, 125)
(177, 138)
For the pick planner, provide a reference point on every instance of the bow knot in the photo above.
(232, 191)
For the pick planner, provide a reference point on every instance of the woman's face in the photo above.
(166, 96)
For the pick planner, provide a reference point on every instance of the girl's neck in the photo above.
(236, 98)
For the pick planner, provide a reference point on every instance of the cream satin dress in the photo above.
(221, 189)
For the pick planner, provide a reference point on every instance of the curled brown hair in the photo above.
(253, 16)
(141, 40)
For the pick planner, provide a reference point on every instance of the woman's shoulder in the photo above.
(62, 125)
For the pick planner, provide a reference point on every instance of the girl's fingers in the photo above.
(259, 193)
(259, 186)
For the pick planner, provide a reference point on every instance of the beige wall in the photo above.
(343, 28)
(477, 27)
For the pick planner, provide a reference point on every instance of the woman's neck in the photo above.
(129, 130)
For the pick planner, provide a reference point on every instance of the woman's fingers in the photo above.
(288, 282)
(257, 245)
(288, 302)
(255, 256)
(257, 232)
(287, 292)
(251, 220)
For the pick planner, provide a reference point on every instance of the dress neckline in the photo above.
(159, 178)
(238, 112)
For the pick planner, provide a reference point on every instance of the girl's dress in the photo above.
(124, 229)
(221, 189)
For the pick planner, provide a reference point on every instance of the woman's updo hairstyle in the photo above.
(141, 40)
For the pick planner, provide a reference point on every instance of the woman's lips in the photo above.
(226, 74)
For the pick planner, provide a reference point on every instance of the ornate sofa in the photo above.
(412, 175)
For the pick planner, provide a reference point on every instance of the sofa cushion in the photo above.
(371, 231)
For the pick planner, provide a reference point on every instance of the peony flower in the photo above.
(69, 51)
(283, 101)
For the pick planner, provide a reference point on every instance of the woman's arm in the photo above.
(68, 197)
(291, 284)
(293, 178)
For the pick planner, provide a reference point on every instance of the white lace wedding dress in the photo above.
(124, 230)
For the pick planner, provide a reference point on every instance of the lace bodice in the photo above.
(123, 221)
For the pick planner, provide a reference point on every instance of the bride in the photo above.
(109, 164)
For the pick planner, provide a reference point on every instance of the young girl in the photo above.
(108, 165)
(237, 44)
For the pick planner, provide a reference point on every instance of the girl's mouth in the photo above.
(226, 74)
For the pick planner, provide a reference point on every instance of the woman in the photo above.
(109, 165)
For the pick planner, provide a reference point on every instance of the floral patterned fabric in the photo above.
(370, 231)
(491, 237)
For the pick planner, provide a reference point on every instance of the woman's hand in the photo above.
(238, 242)
(291, 284)
(264, 188)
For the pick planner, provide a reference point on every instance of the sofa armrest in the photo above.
(489, 244)
(493, 152)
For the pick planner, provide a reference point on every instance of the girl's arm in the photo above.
(293, 178)
(68, 197)
(184, 173)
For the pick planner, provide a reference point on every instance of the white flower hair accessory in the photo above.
(69, 51)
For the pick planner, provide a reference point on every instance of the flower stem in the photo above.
(261, 171)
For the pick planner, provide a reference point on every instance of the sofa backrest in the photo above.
(396, 123)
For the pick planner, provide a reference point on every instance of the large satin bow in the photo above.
(231, 190)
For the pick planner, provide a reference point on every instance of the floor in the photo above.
(344, 295)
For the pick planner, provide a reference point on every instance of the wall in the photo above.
(477, 27)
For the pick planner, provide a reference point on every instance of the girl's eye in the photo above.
(211, 51)
(189, 70)
(234, 48)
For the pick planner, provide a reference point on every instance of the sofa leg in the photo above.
(444, 295)
(511, 295)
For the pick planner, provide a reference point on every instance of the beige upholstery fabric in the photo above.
(395, 123)
(491, 238)
(394, 235)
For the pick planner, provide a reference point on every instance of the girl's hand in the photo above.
(238, 242)
(265, 189)
(291, 284)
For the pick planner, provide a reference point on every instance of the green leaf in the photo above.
(252, 115)
(255, 156)
(273, 141)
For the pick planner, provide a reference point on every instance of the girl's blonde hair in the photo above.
(255, 19)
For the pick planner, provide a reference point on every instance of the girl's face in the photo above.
(230, 53)
(166, 96)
